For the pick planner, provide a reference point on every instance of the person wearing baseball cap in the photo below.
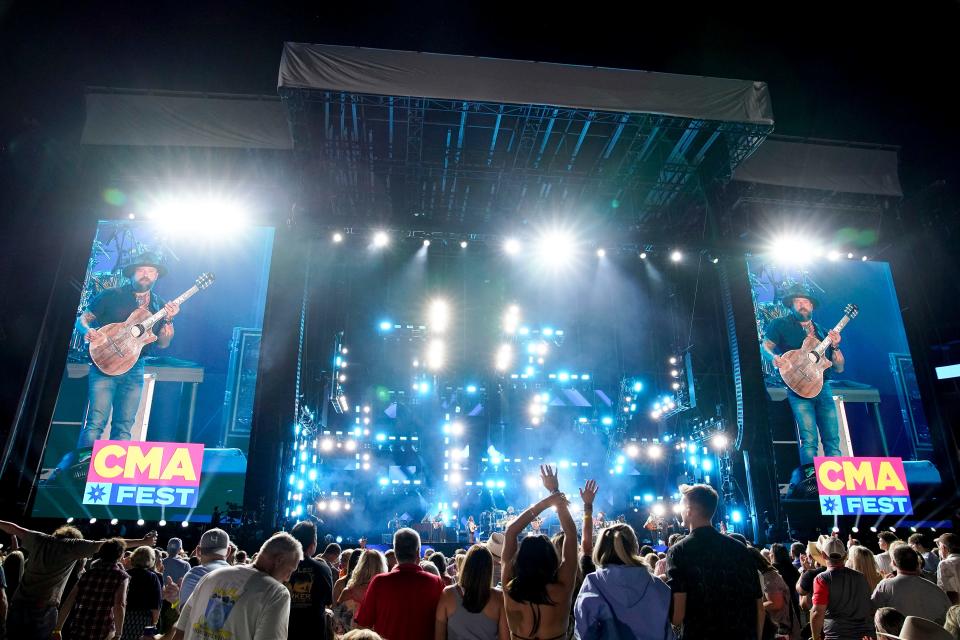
(841, 598)
(214, 549)
(175, 567)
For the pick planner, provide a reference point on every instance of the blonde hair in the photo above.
(861, 559)
(372, 563)
(143, 557)
(617, 544)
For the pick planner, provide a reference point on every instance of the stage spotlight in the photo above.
(835, 529)
(209, 214)
(438, 316)
(833, 256)
(69, 520)
(322, 505)
(162, 523)
(873, 529)
(676, 256)
(675, 386)
(658, 510)
(94, 521)
(463, 244)
(850, 256)
(637, 387)
(674, 373)
(894, 529)
(426, 243)
(351, 445)
(855, 529)
(504, 357)
(436, 354)
(334, 505)
(338, 237)
(185, 524)
(114, 521)
(456, 428)
(655, 451)
(381, 239)
(386, 325)
(347, 506)
(455, 478)
(643, 255)
(633, 450)
(511, 246)
(606, 421)
(790, 249)
(556, 249)
(326, 444)
(736, 516)
(601, 253)
(863, 258)
(720, 441)
(140, 522)
(715, 260)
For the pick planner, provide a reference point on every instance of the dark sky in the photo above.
(877, 72)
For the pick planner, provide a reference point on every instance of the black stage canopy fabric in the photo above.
(185, 120)
(405, 73)
(824, 165)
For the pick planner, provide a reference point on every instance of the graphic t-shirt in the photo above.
(311, 591)
(236, 603)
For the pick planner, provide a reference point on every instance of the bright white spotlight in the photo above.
(658, 510)
(632, 450)
(185, 524)
(351, 445)
(455, 477)
(456, 428)
(511, 246)
(436, 355)
(162, 523)
(601, 252)
(141, 522)
(675, 386)
(511, 319)
(334, 505)
(338, 237)
(863, 258)
(438, 316)
(556, 249)
(114, 521)
(504, 357)
(720, 441)
(676, 256)
(850, 256)
(94, 521)
(326, 444)
(380, 239)
(655, 451)
(463, 244)
(643, 255)
(426, 243)
(833, 255)
(210, 214)
(347, 506)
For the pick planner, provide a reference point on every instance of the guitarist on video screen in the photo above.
(787, 333)
(122, 392)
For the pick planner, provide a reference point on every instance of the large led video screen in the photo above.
(856, 397)
(153, 416)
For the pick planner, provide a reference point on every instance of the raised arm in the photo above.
(587, 494)
(569, 560)
(550, 482)
(13, 529)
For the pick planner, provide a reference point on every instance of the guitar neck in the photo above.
(159, 315)
(825, 343)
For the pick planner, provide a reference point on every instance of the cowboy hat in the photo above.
(146, 259)
(798, 291)
(916, 628)
(814, 552)
(495, 545)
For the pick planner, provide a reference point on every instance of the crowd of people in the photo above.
(706, 585)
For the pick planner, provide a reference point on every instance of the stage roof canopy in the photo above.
(465, 142)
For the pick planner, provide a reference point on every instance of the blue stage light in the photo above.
(606, 421)
(386, 325)
(563, 376)
(707, 465)
(618, 469)
(621, 459)
(648, 497)
(381, 437)
(547, 331)
(693, 461)
(471, 388)
(585, 376)
(501, 484)
(637, 387)
(383, 481)
(490, 484)
(312, 475)
(736, 516)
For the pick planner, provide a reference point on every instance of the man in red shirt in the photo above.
(402, 604)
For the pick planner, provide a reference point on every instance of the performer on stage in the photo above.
(471, 530)
(121, 393)
(394, 523)
(786, 333)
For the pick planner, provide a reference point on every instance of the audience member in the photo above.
(472, 609)
(909, 592)
(244, 601)
(402, 604)
(622, 599)
(310, 585)
(712, 576)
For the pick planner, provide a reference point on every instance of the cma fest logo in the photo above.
(144, 474)
(862, 486)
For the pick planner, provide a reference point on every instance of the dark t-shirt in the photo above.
(719, 577)
(311, 590)
(846, 594)
(787, 333)
(807, 578)
(116, 305)
(143, 590)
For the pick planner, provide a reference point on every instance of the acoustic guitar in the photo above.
(120, 343)
(803, 368)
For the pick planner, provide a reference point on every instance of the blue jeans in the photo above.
(120, 393)
(819, 411)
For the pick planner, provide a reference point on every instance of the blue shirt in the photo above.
(192, 579)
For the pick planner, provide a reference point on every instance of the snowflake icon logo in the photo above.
(96, 493)
(829, 505)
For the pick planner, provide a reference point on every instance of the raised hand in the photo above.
(548, 475)
(589, 492)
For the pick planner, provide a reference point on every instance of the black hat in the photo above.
(146, 259)
(798, 291)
